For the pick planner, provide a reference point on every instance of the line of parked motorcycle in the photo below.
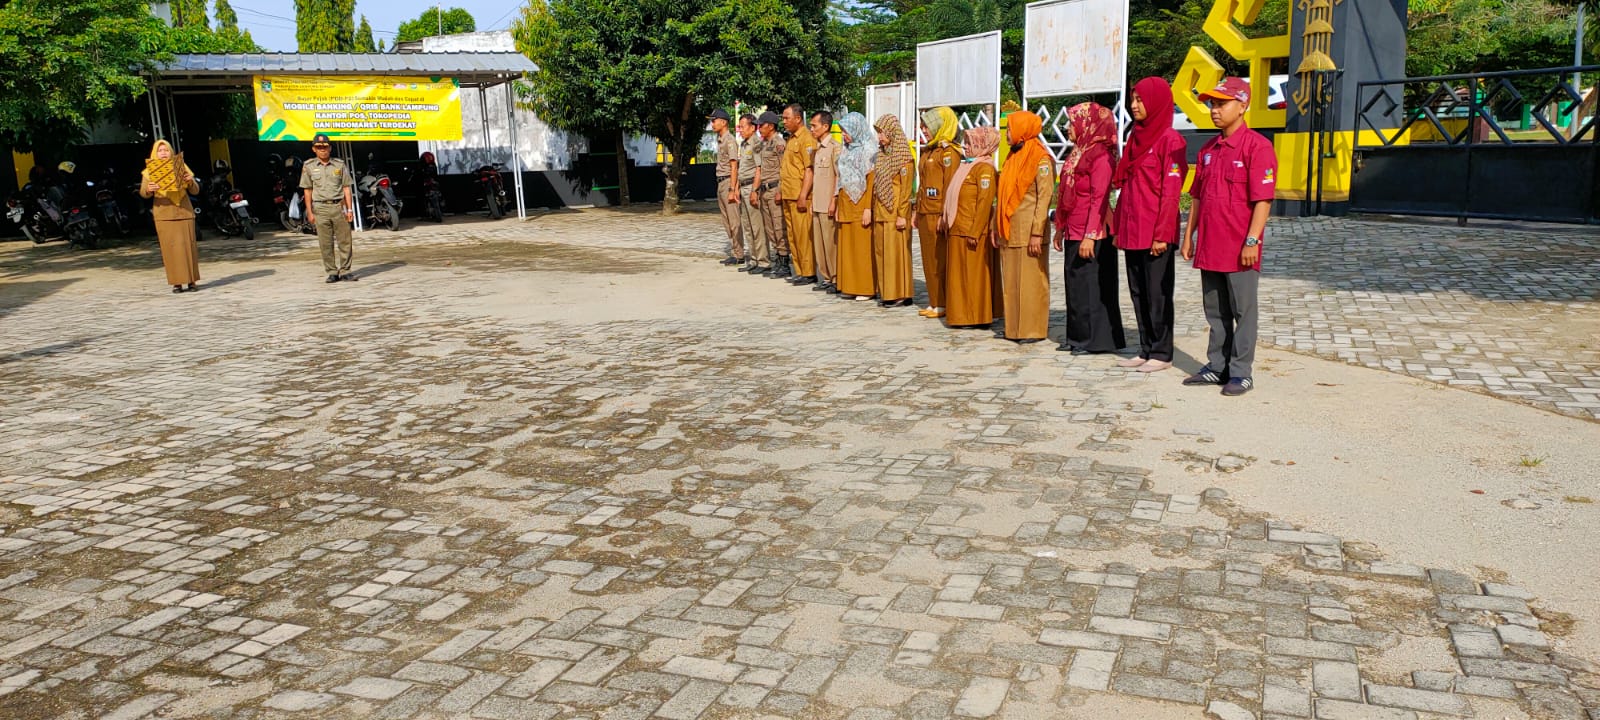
(61, 205)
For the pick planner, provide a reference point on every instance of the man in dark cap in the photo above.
(329, 207)
(768, 177)
(727, 185)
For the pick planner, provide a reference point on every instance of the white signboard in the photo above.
(1075, 47)
(959, 71)
(898, 99)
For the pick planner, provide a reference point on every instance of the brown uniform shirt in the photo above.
(727, 153)
(326, 182)
(902, 199)
(772, 160)
(824, 174)
(933, 179)
(1032, 214)
(850, 211)
(975, 203)
(798, 156)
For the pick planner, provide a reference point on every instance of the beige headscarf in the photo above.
(180, 190)
(894, 157)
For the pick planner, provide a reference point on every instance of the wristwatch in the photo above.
(1252, 241)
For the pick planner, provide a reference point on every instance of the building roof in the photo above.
(231, 72)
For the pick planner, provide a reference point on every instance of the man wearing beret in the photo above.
(329, 207)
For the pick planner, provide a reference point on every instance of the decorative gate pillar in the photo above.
(1332, 45)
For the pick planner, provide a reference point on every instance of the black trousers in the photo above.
(1150, 283)
(1094, 316)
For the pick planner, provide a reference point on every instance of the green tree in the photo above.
(325, 25)
(455, 21)
(227, 19)
(884, 34)
(363, 43)
(660, 66)
(186, 13)
(65, 62)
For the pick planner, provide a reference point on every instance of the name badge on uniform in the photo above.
(933, 192)
(945, 161)
(1208, 159)
(984, 183)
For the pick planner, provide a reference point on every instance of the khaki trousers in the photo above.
(799, 226)
(772, 217)
(934, 249)
(730, 218)
(332, 227)
(825, 246)
(755, 230)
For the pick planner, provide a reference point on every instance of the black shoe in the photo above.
(755, 270)
(192, 288)
(821, 287)
(348, 278)
(1027, 341)
(177, 288)
(1238, 386)
(1206, 376)
(731, 261)
(333, 279)
(803, 280)
(834, 290)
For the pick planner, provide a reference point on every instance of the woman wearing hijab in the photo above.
(1145, 222)
(940, 159)
(174, 218)
(853, 209)
(891, 214)
(969, 216)
(1027, 184)
(1083, 214)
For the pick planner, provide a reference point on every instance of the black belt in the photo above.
(769, 185)
(747, 183)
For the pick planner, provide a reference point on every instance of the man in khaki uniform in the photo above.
(824, 193)
(768, 194)
(750, 220)
(329, 207)
(727, 191)
(794, 188)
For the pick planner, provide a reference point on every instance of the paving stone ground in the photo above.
(411, 497)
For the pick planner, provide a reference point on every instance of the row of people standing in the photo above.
(845, 212)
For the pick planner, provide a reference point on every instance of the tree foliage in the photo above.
(65, 62)
(1457, 36)
(363, 41)
(884, 34)
(660, 66)
(227, 19)
(456, 20)
(189, 13)
(325, 25)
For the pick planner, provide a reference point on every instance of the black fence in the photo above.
(1520, 145)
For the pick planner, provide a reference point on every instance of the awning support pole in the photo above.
(355, 184)
(516, 156)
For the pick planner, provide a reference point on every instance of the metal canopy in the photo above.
(232, 72)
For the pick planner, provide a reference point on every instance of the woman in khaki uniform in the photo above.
(891, 214)
(853, 209)
(1027, 186)
(968, 213)
(174, 218)
(941, 157)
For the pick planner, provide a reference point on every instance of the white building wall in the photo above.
(540, 146)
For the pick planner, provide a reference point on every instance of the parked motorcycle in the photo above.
(39, 218)
(494, 189)
(379, 204)
(286, 196)
(426, 179)
(230, 212)
(70, 195)
(112, 214)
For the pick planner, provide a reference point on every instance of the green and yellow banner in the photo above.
(299, 107)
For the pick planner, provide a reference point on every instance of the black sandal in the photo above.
(177, 288)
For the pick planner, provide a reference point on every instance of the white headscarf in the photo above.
(858, 155)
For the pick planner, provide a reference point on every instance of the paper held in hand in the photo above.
(168, 176)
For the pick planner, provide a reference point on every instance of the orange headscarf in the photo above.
(1020, 168)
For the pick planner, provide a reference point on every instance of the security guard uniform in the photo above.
(327, 181)
(750, 221)
(770, 194)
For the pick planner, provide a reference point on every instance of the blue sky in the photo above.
(271, 22)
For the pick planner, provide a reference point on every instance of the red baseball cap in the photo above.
(1231, 88)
